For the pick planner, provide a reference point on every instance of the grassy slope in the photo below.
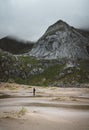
(53, 73)
(50, 75)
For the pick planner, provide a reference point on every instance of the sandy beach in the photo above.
(51, 109)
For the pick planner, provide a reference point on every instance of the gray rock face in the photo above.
(61, 41)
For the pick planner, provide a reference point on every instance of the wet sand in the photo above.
(51, 108)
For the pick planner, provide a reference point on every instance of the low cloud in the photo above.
(29, 19)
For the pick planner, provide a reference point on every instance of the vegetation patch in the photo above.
(32, 71)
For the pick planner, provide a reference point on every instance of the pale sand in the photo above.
(57, 120)
(51, 109)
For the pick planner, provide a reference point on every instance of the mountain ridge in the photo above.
(61, 41)
(59, 58)
(15, 46)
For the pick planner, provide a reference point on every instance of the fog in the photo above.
(29, 19)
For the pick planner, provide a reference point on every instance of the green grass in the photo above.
(50, 75)
(22, 111)
(28, 59)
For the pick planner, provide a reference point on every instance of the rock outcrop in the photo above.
(61, 41)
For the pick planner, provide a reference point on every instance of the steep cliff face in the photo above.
(61, 41)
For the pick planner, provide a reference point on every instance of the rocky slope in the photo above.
(62, 60)
(62, 41)
(15, 46)
(29, 70)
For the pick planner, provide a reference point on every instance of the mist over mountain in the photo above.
(62, 41)
(15, 46)
(59, 58)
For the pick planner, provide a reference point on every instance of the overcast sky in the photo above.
(29, 19)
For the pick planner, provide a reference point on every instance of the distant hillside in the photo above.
(15, 46)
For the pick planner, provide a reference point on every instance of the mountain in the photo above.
(57, 64)
(62, 41)
(15, 46)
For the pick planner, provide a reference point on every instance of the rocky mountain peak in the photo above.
(59, 25)
(61, 41)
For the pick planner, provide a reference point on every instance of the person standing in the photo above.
(34, 91)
